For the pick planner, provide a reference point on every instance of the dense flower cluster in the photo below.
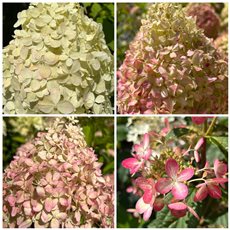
(55, 181)
(57, 63)
(206, 18)
(171, 67)
(221, 43)
(165, 178)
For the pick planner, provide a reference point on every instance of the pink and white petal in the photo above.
(54, 223)
(164, 185)
(143, 183)
(49, 177)
(186, 174)
(38, 207)
(171, 168)
(199, 143)
(40, 191)
(138, 148)
(50, 204)
(147, 154)
(14, 211)
(192, 211)
(148, 196)
(179, 191)
(146, 141)
(220, 168)
(219, 180)
(129, 163)
(196, 156)
(177, 206)
(158, 204)
(147, 213)
(141, 206)
(201, 193)
(214, 191)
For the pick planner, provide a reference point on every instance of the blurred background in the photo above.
(129, 17)
(99, 134)
(130, 131)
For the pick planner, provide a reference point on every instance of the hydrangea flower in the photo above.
(167, 67)
(209, 187)
(149, 201)
(55, 181)
(206, 18)
(179, 209)
(57, 63)
(174, 181)
(143, 152)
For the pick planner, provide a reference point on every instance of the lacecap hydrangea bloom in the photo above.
(172, 67)
(55, 181)
(57, 63)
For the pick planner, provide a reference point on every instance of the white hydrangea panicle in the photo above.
(57, 63)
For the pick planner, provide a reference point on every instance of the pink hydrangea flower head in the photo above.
(174, 180)
(55, 181)
(211, 188)
(161, 72)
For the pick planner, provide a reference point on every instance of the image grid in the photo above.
(114, 114)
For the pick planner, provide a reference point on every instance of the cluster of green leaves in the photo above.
(217, 148)
(103, 13)
(99, 134)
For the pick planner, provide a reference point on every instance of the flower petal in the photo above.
(129, 163)
(201, 193)
(179, 191)
(177, 206)
(199, 120)
(146, 141)
(199, 143)
(186, 174)
(214, 191)
(141, 206)
(171, 168)
(147, 213)
(164, 185)
(178, 209)
(220, 168)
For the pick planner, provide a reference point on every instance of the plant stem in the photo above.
(211, 126)
(198, 179)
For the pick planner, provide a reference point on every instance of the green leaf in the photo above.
(176, 132)
(221, 143)
(96, 8)
(89, 134)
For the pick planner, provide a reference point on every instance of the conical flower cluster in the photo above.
(55, 181)
(172, 67)
(57, 63)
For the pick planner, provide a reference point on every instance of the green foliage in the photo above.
(103, 13)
